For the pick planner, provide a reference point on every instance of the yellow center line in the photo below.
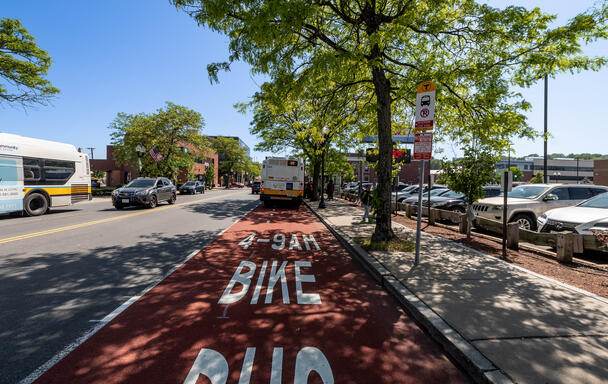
(95, 222)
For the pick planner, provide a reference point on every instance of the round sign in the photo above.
(424, 112)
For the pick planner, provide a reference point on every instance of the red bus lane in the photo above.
(275, 299)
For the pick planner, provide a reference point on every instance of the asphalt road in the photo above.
(63, 272)
(274, 299)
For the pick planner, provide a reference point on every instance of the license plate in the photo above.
(125, 201)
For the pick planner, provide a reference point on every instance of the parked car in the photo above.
(255, 187)
(95, 183)
(425, 196)
(144, 191)
(526, 203)
(451, 201)
(237, 185)
(582, 218)
(192, 187)
(413, 189)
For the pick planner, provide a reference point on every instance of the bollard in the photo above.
(409, 210)
(565, 247)
(462, 225)
(513, 236)
(432, 216)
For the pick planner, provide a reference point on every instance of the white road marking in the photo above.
(72, 346)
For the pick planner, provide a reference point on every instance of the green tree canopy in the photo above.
(537, 178)
(233, 157)
(210, 174)
(518, 175)
(23, 66)
(175, 131)
(474, 52)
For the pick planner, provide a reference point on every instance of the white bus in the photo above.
(36, 175)
(282, 179)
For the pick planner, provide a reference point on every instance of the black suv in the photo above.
(144, 191)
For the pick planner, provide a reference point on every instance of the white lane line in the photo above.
(72, 346)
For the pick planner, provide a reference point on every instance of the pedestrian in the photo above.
(330, 190)
(308, 190)
(366, 201)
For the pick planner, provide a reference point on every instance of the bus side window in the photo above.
(31, 170)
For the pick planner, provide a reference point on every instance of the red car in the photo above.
(237, 185)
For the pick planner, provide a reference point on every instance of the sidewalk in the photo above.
(501, 322)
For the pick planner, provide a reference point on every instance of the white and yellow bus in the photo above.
(282, 180)
(36, 175)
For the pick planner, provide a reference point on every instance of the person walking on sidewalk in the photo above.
(366, 201)
(330, 190)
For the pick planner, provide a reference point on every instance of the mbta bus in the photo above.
(282, 180)
(36, 175)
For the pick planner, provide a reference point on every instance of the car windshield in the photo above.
(409, 189)
(452, 195)
(599, 201)
(526, 192)
(141, 183)
(189, 184)
(437, 192)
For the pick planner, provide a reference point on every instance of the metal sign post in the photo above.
(507, 178)
(423, 144)
(419, 213)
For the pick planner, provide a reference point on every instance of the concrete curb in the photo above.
(470, 359)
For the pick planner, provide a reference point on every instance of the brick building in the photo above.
(600, 172)
(119, 175)
(408, 174)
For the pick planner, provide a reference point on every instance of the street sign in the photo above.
(509, 181)
(425, 106)
(423, 146)
(396, 138)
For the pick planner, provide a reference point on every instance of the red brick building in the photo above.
(118, 175)
(600, 172)
(409, 173)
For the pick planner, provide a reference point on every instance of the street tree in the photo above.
(210, 175)
(474, 52)
(309, 119)
(175, 132)
(469, 174)
(537, 178)
(233, 157)
(23, 67)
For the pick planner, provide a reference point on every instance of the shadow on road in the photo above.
(51, 298)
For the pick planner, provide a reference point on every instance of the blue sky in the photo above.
(133, 55)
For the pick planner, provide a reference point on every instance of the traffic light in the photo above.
(404, 156)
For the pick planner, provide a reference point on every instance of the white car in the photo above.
(583, 218)
(526, 203)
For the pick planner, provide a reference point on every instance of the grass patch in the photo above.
(395, 245)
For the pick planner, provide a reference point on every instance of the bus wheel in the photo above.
(267, 204)
(35, 204)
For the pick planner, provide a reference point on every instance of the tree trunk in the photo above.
(383, 230)
(316, 175)
(470, 217)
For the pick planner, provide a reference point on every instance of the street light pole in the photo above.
(140, 153)
(545, 135)
(322, 202)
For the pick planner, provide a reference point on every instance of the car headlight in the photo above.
(115, 192)
(436, 204)
(142, 193)
(497, 208)
(543, 216)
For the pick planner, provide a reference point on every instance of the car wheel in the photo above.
(172, 199)
(152, 202)
(524, 221)
(458, 209)
(35, 204)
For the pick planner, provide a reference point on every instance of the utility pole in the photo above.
(545, 136)
(91, 149)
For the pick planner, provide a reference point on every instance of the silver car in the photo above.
(526, 203)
